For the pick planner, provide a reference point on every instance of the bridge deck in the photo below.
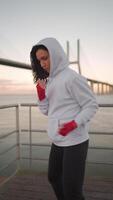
(36, 187)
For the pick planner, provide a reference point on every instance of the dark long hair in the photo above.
(38, 71)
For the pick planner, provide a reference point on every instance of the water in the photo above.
(14, 99)
(102, 122)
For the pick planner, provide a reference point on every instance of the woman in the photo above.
(69, 103)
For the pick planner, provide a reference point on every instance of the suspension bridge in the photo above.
(98, 87)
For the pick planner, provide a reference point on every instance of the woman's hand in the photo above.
(41, 85)
(67, 127)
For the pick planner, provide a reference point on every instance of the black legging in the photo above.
(66, 170)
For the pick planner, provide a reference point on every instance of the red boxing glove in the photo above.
(40, 92)
(67, 127)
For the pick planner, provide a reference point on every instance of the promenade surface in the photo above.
(36, 187)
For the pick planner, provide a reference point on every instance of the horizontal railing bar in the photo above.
(106, 105)
(8, 106)
(92, 133)
(34, 130)
(13, 63)
(36, 104)
(30, 158)
(7, 150)
(102, 148)
(46, 159)
(7, 134)
(36, 144)
(44, 131)
(29, 104)
(6, 166)
(98, 163)
(48, 145)
(101, 133)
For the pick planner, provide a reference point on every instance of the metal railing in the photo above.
(18, 130)
(16, 146)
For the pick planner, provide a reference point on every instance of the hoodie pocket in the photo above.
(52, 128)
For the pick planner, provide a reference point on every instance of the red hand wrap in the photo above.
(67, 127)
(40, 92)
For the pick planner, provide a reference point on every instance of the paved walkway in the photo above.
(36, 187)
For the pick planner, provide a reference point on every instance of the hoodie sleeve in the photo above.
(86, 99)
(43, 106)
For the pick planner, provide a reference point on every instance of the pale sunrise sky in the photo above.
(24, 22)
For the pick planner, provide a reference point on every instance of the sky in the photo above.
(24, 22)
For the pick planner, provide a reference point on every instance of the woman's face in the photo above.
(44, 59)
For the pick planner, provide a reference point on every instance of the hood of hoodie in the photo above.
(58, 58)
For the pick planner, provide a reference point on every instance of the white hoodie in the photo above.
(68, 97)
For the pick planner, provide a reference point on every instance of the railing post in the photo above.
(78, 56)
(68, 52)
(30, 137)
(18, 131)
